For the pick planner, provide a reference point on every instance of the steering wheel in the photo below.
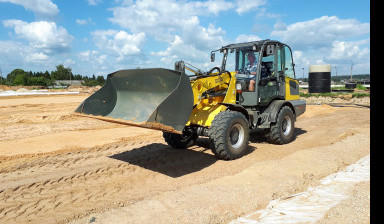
(213, 69)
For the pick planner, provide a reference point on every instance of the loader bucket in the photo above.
(153, 98)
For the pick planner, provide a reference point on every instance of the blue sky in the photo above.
(99, 37)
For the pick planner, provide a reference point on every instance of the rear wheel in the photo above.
(229, 134)
(185, 140)
(281, 132)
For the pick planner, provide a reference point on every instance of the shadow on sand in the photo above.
(174, 163)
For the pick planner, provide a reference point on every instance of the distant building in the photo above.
(67, 83)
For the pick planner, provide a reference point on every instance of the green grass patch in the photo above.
(339, 88)
(360, 95)
(306, 95)
(333, 95)
(361, 87)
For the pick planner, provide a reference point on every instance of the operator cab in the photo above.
(260, 79)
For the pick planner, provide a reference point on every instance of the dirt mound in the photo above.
(22, 90)
(346, 99)
(84, 89)
(5, 88)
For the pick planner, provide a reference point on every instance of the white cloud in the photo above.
(15, 54)
(280, 26)
(81, 21)
(36, 57)
(164, 18)
(202, 38)
(43, 8)
(327, 40)
(319, 32)
(12, 52)
(176, 23)
(92, 56)
(352, 50)
(97, 63)
(243, 6)
(179, 50)
(265, 14)
(300, 59)
(94, 2)
(69, 63)
(119, 44)
(343, 53)
(246, 38)
(43, 36)
(212, 6)
(194, 44)
(340, 55)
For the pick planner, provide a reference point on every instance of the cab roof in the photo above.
(248, 45)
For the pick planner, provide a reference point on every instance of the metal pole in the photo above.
(336, 72)
(1, 77)
(303, 74)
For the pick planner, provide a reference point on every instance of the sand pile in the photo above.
(22, 90)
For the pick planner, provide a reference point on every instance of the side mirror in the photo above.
(180, 66)
(270, 50)
(212, 56)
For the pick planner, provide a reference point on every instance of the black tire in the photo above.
(229, 134)
(180, 141)
(281, 132)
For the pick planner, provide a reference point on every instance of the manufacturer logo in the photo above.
(220, 79)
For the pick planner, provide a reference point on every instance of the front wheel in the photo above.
(281, 132)
(185, 140)
(229, 134)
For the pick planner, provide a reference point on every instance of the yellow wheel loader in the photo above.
(254, 87)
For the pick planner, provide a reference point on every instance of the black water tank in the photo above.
(350, 85)
(319, 79)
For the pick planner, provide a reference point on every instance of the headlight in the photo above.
(238, 86)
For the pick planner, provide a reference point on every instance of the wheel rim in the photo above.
(286, 126)
(236, 136)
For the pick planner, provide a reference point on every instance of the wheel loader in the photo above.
(223, 104)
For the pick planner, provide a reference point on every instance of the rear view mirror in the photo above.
(212, 56)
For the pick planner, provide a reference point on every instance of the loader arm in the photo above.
(209, 94)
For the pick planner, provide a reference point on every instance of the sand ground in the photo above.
(57, 168)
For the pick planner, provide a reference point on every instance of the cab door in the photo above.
(291, 86)
(270, 82)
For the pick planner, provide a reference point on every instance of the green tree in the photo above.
(90, 82)
(62, 73)
(12, 76)
(21, 80)
(46, 75)
(100, 80)
(78, 77)
(37, 81)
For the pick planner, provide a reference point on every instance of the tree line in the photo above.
(341, 77)
(20, 77)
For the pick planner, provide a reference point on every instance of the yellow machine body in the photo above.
(291, 84)
(206, 107)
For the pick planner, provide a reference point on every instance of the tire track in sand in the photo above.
(62, 186)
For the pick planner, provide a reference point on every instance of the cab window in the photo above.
(287, 64)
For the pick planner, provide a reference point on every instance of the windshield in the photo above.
(239, 60)
(246, 61)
